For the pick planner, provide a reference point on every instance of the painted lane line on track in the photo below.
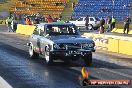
(4, 84)
(122, 74)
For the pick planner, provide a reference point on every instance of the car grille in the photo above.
(73, 46)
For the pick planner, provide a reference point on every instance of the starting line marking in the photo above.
(4, 84)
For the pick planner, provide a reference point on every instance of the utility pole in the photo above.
(113, 2)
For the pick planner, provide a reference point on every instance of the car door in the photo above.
(36, 39)
(44, 39)
(80, 22)
(91, 21)
(41, 40)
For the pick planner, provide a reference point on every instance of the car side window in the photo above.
(42, 33)
(91, 19)
(97, 19)
(80, 19)
(36, 32)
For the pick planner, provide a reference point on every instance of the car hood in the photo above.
(70, 39)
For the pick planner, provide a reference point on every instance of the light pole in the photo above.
(113, 2)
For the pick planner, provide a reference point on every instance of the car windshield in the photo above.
(54, 30)
(97, 19)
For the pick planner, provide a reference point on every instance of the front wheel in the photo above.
(95, 28)
(85, 60)
(48, 56)
(88, 59)
(32, 54)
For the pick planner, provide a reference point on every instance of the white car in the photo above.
(94, 23)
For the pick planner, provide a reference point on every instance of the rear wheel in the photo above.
(32, 54)
(90, 26)
(96, 28)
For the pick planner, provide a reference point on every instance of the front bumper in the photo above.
(72, 52)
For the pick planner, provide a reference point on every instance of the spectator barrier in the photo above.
(120, 46)
(125, 47)
(25, 29)
(2, 22)
(112, 43)
(120, 31)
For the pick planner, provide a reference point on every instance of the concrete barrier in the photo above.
(25, 29)
(2, 22)
(101, 43)
(120, 30)
(120, 46)
(101, 40)
(112, 43)
(125, 47)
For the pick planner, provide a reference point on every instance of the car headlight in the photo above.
(60, 46)
(85, 46)
(91, 45)
(56, 46)
(88, 45)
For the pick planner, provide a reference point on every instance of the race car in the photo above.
(60, 41)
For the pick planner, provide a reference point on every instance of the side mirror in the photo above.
(77, 20)
(67, 22)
